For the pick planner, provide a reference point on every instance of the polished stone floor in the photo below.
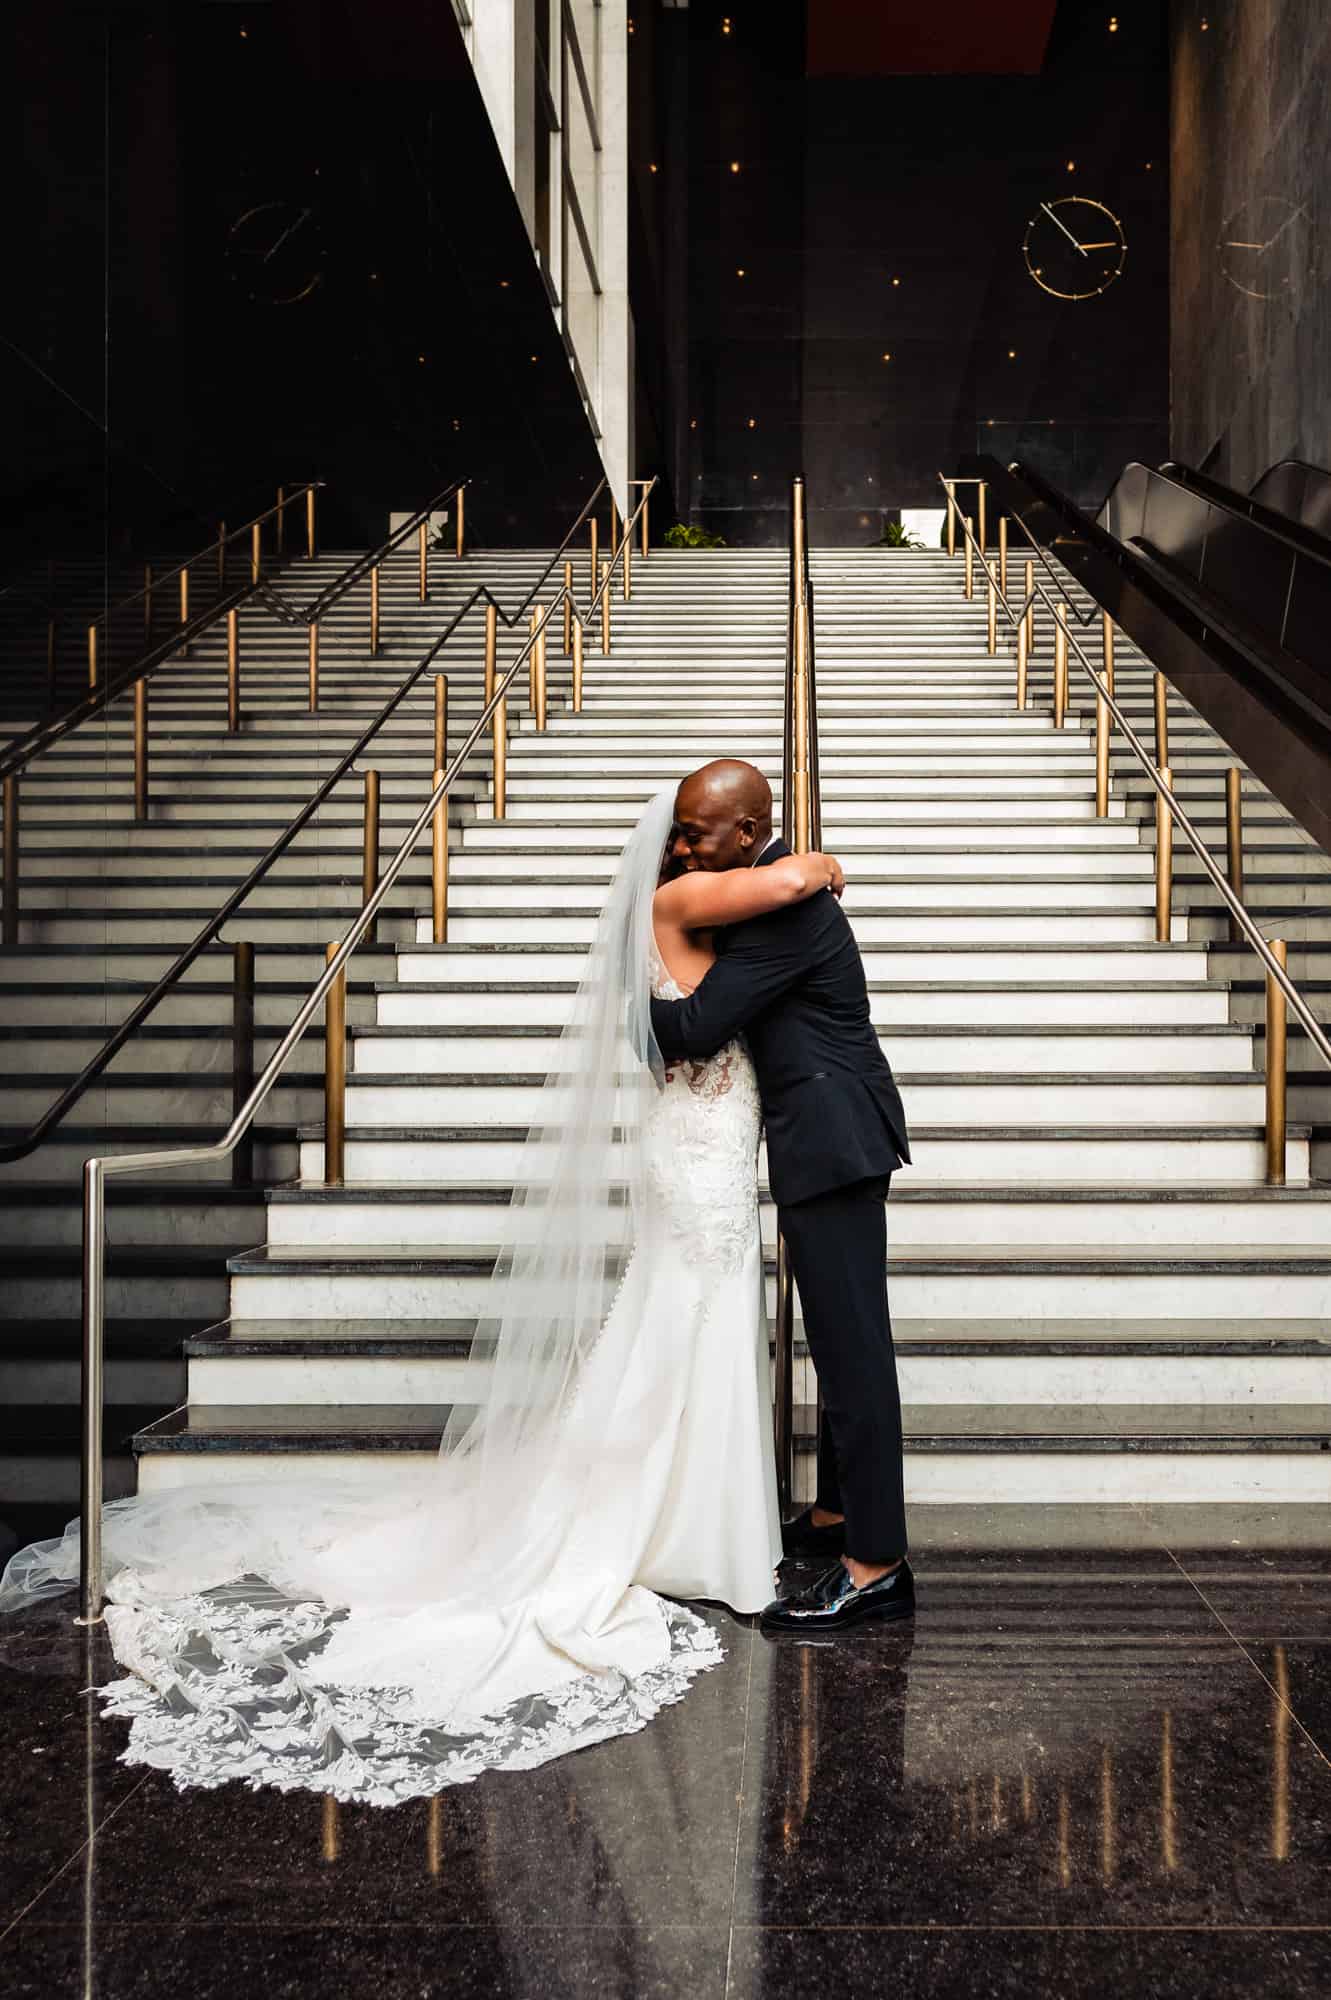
(1080, 1774)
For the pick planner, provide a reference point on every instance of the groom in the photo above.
(792, 981)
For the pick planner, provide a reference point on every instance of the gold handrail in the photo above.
(329, 986)
(801, 826)
(1169, 813)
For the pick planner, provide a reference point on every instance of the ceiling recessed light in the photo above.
(896, 281)
(1012, 354)
(1072, 166)
(753, 423)
(887, 357)
(753, 475)
(693, 423)
(533, 357)
(725, 24)
(740, 272)
(652, 167)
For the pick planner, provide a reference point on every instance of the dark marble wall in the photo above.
(1250, 327)
(849, 181)
(256, 244)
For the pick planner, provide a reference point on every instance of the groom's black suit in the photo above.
(793, 982)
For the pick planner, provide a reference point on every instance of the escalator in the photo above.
(1229, 594)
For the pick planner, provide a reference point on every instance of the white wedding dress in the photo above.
(380, 1647)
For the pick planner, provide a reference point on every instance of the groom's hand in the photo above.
(838, 882)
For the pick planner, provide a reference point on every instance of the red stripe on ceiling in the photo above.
(928, 37)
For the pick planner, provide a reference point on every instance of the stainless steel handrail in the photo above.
(98, 1170)
(1237, 909)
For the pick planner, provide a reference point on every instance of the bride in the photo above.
(385, 1638)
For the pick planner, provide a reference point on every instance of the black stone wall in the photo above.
(1250, 321)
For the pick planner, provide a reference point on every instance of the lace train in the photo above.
(221, 1690)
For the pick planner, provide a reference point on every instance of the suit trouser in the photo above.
(837, 1243)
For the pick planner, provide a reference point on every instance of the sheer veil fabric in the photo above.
(383, 1635)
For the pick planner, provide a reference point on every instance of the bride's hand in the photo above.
(838, 882)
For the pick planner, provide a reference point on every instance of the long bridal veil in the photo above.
(467, 1583)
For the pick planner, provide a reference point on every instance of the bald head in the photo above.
(723, 816)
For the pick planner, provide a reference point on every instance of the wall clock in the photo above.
(275, 252)
(1265, 247)
(1074, 247)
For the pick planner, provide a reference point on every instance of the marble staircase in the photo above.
(1099, 1304)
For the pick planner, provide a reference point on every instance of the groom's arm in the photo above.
(754, 972)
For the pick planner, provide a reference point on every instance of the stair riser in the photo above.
(205, 1102)
(60, 1161)
(1188, 1007)
(985, 1295)
(965, 927)
(912, 1225)
(198, 1299)
(976, 1100)
(1027, 1162)
(963, 1479)
(941, 961)
(965, 1056)
(58, 1382)
(170, 1224)
(928, 1382)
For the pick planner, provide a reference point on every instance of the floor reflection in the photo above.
(1064, 1757)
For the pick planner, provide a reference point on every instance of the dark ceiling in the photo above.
(902, 38)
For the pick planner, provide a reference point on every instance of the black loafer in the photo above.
(835, 1601)
(802, 1537)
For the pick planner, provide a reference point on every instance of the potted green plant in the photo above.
(683, 536)
(894, 536)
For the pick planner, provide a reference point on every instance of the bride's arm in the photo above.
(703, 901)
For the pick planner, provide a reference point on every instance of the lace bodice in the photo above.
(702, 1146)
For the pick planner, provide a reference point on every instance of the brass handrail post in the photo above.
(628, 566)
(1107, 625)
(280, 523)
(256, 553)
(533, 626)
(577, 666)
(242, 1054)
(951, 516)
(439, 866)
(991, 637)
(51, 691)
(311, 544)
(233, 672)
(374, 612)
(1023, 663)
(1164, 861)
(784, 1387)
(538, 659)
(1101, 756)
(501, 758)
(221, 554)
(801, 729)
(423, 562)
(491, 649)
(605, 607)
(970, 557)
(1161, 719)
(92, 656)
(596, 567)
(1276, 1069)
(1002, 553)
(1030, 610)
(984, 539)
(314, 666)
(184, 607)
(462, 521)
(335, 1077)
(1234, 839)
(614, 525)
(369, 866)
(1060, 667)
(9, 916)
(798, 528)
(147, 603)
(568, 609)
(141, 751)
(440, 721)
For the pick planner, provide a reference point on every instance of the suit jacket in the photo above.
(793, 983)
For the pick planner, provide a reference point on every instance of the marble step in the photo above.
(1100, 1216)
(59, 1160)
(348, 1362)
(1023, 1154)
(966, 1051)
(1100, 962)
(956, 1455)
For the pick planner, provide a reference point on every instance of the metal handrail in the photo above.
(1238, 911)
(799, 659)
(97, 1170)
(364, 564)
(58, 1110)
(210, 550)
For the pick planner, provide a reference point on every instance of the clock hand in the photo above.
(290, 230)
(1112, 244)
(1283, 227)
(1063, 226)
